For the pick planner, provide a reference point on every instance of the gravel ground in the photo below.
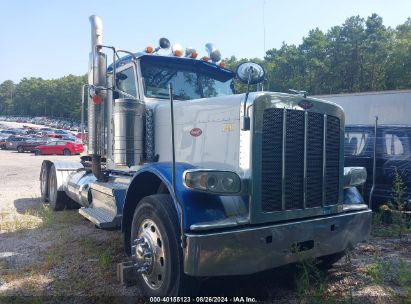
(61, 254)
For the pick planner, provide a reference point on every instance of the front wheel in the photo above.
(156, 248)
(66, 152)
(20, 149)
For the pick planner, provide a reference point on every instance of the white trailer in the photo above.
(391, 107)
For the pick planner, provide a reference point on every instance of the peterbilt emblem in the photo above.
(305, 104)
(196, 132)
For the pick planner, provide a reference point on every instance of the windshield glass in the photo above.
(191, 79)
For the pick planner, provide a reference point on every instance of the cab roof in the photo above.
(173, 59)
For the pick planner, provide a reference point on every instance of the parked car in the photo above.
(69, 137)
(393, 152)
(8, 132)
(83, 138)
(13, 141)
(59, 147)
(3, 138)
(30, 144)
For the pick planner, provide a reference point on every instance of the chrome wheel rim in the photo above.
(148, 254)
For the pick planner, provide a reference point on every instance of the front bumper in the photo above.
(250, 250)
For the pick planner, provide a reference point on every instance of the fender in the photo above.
(197, 207)
(63, 171)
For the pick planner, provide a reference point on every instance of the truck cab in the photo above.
(203, 181)
(393, 152)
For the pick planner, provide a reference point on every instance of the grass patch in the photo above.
(397, 272)
(37, 218)
(104, 261)
(44, 213)
(311, 282)
(12, 222)
(32, 218)
(398, 225)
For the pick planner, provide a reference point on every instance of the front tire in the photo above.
(156, 248)
(20, 149)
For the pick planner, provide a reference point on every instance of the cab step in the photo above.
(101, 217)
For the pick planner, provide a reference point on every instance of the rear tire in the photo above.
(44, 182)
(66, 152)
(37, 152)
(20, 149)
(155, 222)
(58, 199)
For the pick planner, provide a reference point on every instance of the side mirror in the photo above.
(250, 73)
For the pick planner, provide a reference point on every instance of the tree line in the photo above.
(39, 97)
(359, 55)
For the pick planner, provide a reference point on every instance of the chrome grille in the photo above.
(299, 150)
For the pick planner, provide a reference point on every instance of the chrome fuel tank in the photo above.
(77, 186)
(128, 127)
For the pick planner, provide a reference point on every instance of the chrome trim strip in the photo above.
(283, 160)
(305, 159)
(324, 155)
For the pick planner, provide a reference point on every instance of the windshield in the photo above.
(191, 79)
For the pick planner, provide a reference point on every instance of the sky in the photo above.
(51, 38)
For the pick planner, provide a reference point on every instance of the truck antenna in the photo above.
(173, 172)
(170, 91)
(264, 27)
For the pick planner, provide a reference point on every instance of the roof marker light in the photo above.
(191, 53)
(149, 49)
(205, 58)
(177, 49)
(222, 64)
(213, 52)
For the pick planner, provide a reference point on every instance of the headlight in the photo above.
(354, 176)
(217, 182)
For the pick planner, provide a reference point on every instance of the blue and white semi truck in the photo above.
(202, 181)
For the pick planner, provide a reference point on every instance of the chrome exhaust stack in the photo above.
(97, 79)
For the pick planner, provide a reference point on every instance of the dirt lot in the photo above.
(46, 254)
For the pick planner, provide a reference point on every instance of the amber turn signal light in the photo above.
(97, 99)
